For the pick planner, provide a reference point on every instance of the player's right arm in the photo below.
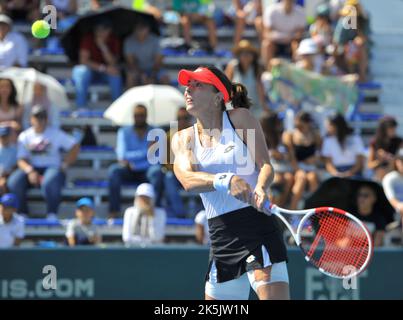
(192, 180)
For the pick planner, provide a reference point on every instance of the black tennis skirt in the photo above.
(238, 234)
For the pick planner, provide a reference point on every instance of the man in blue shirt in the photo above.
(133, 166)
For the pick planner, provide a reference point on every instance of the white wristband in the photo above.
(222, 181)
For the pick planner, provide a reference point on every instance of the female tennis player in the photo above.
(230, 168)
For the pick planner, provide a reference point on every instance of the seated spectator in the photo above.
(67, 12)
(303, 144)
(245, 69)
(309, 57)
(343, 152)
(172, 186)
(13, 46)
(196, 11)
(202, 233)
(144, 223)
(133, 166)
(273, 131)
(10, 110)
(393, 184)
(40, 96)
(352, 43)
(321, 30)
(21, 10)
(8, 157)
(143, 57)
(11, 224)
(246, 12)
(81, 231)
(383, 148)
(98, 4)
(40, 162)
(367, 211)
(284, 25)
(99, 57)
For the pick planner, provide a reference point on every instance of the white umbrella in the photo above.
(24, 80)
(161, 101)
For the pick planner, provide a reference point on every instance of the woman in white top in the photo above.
(224, 157)
(144, 223)
(343, 151)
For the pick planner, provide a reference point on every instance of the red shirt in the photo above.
(88, 43)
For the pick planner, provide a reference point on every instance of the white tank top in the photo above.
(229, 155)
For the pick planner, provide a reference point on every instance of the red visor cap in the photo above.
(203, 75)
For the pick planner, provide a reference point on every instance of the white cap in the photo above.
(307, 46)
(145, 189)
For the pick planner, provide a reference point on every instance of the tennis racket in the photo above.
(333, 240)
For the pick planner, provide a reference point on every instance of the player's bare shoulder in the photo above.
(183, 140)
(242, 118)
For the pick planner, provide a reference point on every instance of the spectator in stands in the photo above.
(303, 144)
(11, 224)
(246, 12)
(172, 186)
(284, 25)
(66, 12)
(202, 233)
(383, 148)
(81, 231)
(13, 46)
(98, 4)
(309, 57)
(343, 152)
(143, 57)
(40, 96)
(245, 69)
(133, 165)
(144, 223)
(273, 130)
(8, 157)
(393, 184)
(321, 30)
(352, 42)
(21, 10)
(99, 59)
(366, 210)
(196, 11)
(40, 161)
(10, 111)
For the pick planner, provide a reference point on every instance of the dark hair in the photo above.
(381, 139)
(342, 128)
(12, 99)
(237, 92)
(303, 116)
(270, 123)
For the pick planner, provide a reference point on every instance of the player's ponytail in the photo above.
(239, 96)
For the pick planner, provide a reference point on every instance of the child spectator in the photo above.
(81, 231)
(144, 223)
(11, 224)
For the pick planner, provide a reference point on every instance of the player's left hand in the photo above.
(259, 198)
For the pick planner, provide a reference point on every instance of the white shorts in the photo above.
(238, 289)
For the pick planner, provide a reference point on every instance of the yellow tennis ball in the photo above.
(40, 29)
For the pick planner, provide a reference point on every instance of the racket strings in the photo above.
(343, 243)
